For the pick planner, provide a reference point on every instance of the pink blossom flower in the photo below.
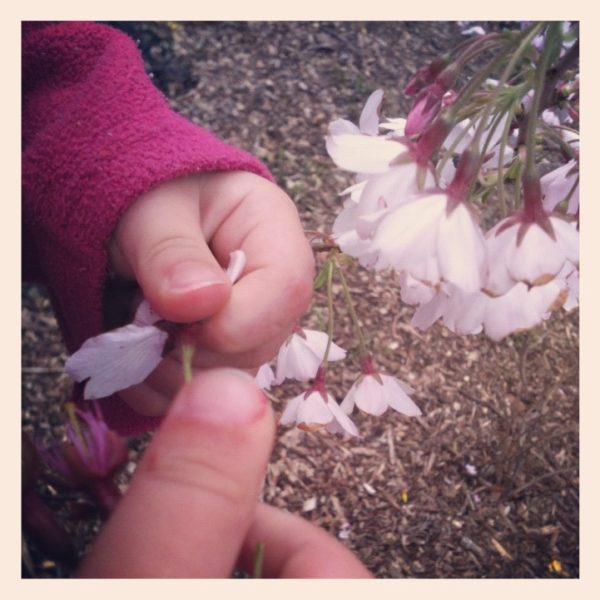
(373, 392)
(361, 153)
(519, 309)
(302, 353)
(90, 452)
(433, 227)
(90, 457)
(316, 409)
(525, 251)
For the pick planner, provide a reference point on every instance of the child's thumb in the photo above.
(160, 242)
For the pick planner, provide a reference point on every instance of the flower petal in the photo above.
(369, 117)
(291, 410)
(117, 359)
(314, 410)
(237, 262)
(461, 250)
(397, 396)
(341, 417)
(369, 396)
(145, 314)
(362, 153)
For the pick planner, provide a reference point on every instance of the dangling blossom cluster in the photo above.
(425, 184)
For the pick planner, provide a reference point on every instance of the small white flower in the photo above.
(316, 409)
(525, 252)
(519, 309)
(426, 228)
(345, 531)
(145, 314)
(360, 153)
(302, 353)
(235, 268)
(373, 393)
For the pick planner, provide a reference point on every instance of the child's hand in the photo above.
(175, 241)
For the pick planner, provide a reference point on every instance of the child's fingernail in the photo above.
(192, 276)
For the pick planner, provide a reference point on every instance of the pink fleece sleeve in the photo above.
(96, 135)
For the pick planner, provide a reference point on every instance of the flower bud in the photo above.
(424, 76)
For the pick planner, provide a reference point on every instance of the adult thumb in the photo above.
(193, 497)
(159, 241)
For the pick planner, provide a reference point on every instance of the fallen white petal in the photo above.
(117, 359)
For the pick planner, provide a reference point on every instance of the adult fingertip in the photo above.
(221, 397)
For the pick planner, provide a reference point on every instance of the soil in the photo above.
(486, 483)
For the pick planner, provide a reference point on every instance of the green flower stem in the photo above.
(565, 148)
(74, 421)
(187, 354)
(362, 346)
(508, 70)
(518, 180)
(329, 309)
(259, 559)
(503, 143)
(474, 84)
(479, 46)
(530, 171)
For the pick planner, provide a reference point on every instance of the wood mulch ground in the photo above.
(486, 483)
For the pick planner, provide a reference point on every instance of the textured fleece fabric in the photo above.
(96, 134)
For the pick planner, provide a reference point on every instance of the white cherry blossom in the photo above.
(373, 393)
(526, 252)
(521, 308)
(302, 353)
(316, 409)
(430, 228)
